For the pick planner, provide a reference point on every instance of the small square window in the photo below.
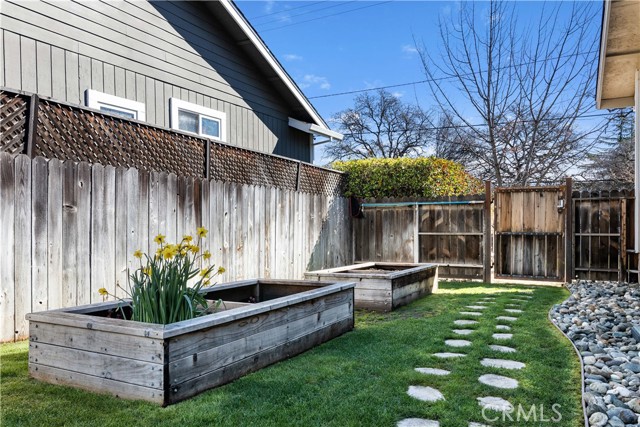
(197, 119)
(115, 105)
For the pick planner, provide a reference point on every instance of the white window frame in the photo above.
(95, 100)
(176, 104)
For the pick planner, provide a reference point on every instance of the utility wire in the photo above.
(550, 119)
(327, 16)
(288, 10)
(308, 12)
(437, 79)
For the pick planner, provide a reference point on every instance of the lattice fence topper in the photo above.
(71, 132)
(13, 123)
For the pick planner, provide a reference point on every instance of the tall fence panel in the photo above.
(451, 232)
(530, 233)
(600, 242)
(68, 229)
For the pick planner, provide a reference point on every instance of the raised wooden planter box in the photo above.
(383, 286)
(166, 364)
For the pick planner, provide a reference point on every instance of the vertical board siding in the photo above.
(68, 229)
(148, 52)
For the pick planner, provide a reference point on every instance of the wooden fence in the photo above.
(454, 233)
(68, 229)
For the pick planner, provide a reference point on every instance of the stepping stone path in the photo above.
(463, 331)
(502, 349)
(433, 371)
(417, 422)
(465, 322)
(446, 355)
(498, 381)
(457, 343)
(502, 336)
(495, 403)
(426, 394)
(502, 363)
(430, 394)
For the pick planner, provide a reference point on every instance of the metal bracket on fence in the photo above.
(32, 120)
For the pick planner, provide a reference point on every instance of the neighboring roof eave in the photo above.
(619, 54)
(606, 4)
(261, 48)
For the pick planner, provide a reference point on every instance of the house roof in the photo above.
(619, 54)
(246, 36)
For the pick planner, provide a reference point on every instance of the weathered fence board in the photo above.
(446, 231)
(68, 229)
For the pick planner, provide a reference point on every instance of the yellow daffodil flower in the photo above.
(202, 232)
(137, 253)
(159, 239)
(103, 292)
(206, 255)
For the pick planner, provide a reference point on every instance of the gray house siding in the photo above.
(147, 52)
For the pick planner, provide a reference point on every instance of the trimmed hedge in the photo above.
(407, 177)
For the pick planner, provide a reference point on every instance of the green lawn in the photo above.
(360, 378)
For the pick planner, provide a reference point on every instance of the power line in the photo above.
(308, 12)
(327, 16)
(462, 126)
(437, 79)
(288, 10)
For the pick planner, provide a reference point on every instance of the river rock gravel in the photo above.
(598, 317)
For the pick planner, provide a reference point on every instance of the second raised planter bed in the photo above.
(383, 286)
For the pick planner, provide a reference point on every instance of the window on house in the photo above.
(199, 120)
(115, 105)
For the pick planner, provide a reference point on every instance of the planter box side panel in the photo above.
(406, 291)
(122, 365)
(205, 359)
(370, 294)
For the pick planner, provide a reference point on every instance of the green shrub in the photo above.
(407, 177)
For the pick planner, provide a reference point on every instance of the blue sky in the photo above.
(330, 47)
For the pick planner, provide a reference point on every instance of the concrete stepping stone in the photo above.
(457, 343)
(476, 307)
(433, 371)
(512, 304)
(447, 355)
(463, 331)
(465, 322)
(417, 422)
(502, 336)
(495, 403)
(502, 363)
(513, 310)
(470, 313)
(498, 381)
(472, 424)
(426, 394)
(503, 327)
(502, 348)
(507, 318)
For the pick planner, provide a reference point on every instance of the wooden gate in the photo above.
(530, 233)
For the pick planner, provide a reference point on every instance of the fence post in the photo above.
(487, 232)
(298, 174)
(416, 233)
(32, 122)
(568, 233)
(207, 160)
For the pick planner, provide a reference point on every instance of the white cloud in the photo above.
(291, 57)
(268, 6)
(310, 80)
(397, 94)
(409, 49)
